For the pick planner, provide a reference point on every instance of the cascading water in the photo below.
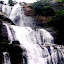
(10, 38)
(28, 39)
(6, 9)
(32, 35)
(33, 40)
(45, 36)
(6, 58)
(19, 18)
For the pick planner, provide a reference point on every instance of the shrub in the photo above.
(37, 8)
(48, 11)
(58, 20)
(41, 10)
(10, 2)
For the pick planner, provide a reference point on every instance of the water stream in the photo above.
(38, 43)
(6, 58)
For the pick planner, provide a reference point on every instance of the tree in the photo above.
(37, 8)
(62, 0)
(48, 11)
(59, 0)
(40, 10)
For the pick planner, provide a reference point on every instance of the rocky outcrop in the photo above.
(3, 40)
(16, 53)
(6, 19)
(3, 32)
(28, 9)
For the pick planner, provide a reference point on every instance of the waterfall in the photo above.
(19, 18)
(10, 37)
(15, 11)
(45, 36)
(27, 38)
(32, 40)
(6, 9)
(54, 54)
(6, 59)
(38, 43)
(31, 35)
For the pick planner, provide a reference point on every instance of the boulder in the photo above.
(16, 53)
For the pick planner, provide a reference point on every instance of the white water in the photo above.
(32, 36)
(33, 40)
(37, 53)
(15, 11)
(27, 38)
(18, 17)
(6, 58)
(10, 38)
(30, 39)
(6, 9)
(45, 36)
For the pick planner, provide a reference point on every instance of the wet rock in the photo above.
(15, 42)
(3, 33)
(16, 53)
(6, 19)
(1, 57)
(3, 40)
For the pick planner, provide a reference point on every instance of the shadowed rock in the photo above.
(6, 19)
(3, 32)
(15, 53)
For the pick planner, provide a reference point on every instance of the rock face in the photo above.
(0, 57)
(16, 53)
(14, 50)
(6, 19)
(28, 9)
(3, 29)
(3, 38)
(3, 33)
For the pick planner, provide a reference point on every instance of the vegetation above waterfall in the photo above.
(57, 21)
(40, 10)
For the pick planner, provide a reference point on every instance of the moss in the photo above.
(4, 45)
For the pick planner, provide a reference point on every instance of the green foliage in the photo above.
(59, 0)
(48, 11)
(62, 0)
(58, 20)
(37, 8)
(41, 10)
(10, 2)
(4, 45)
